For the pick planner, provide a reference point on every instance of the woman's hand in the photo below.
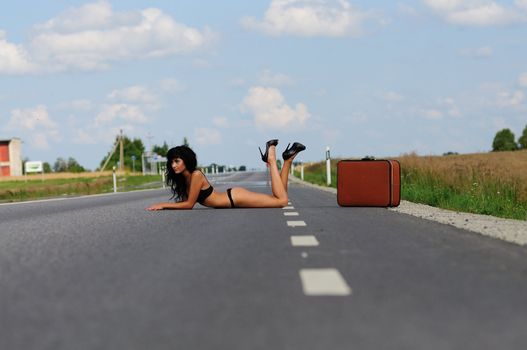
(158, 206)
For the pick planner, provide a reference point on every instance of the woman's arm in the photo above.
(196, 182)
(169, 205)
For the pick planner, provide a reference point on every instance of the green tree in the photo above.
(185, 142)
(71, 165)
(131, 148)
(504, 141)
(47, 168)
(522, 141)
(161, 150)
(60, 166)
(74, 167)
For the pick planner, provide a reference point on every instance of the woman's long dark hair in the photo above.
(177, 182)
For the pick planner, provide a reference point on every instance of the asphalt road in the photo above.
(102, 273)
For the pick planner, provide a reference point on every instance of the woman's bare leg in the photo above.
(246, 199)
(284, 173)
(278, 188)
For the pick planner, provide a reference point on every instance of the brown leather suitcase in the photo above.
(368, 183)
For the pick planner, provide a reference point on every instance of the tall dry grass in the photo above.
(467, 171)
(53, 176)
(487, 183)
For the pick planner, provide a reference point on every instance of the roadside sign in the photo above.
(34, 167)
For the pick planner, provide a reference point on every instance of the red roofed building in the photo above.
(10, 157)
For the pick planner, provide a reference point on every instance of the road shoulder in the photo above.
(513, 231)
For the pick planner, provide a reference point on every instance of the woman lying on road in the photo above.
(190, 185)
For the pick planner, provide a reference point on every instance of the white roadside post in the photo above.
(302, 171)
(114, 181)
(328, 167)
(163, 177)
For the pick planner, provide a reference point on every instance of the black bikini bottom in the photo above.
(230, 197)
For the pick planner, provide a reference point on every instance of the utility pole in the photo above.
(121, 152)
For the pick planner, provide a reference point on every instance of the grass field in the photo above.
(69, 184)
(487, 183)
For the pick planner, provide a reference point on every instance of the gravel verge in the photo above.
(513, 231)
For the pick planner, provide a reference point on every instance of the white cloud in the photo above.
(84, 17)
(172, 86)
(14, 58)
(78, 105)
(407, 10)
(134, 94)
(521, 4)
(309, 18)
(522, 79)
(271, 111)
(511, 99)
(84, 137)
(433, 114)
(81, 105)
(450, 105)
(94, 134)
(120, 111)
(499, 123)
(37, 123)
(94, 35)
(357, 118)
(31, 119)
(477, 12)
(480, 52)
(207, 136)
(201, 63)
(237, 83)
(221, 122)
(274, 79)
(444, 107)
(392, 96)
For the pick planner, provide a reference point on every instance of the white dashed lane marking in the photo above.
(304, 241)
(296, 223)
(324, 282)
(316, 281)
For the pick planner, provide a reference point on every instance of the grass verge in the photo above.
(37, 188)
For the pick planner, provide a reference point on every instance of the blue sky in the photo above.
(376, 78)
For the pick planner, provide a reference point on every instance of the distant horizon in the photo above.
(322, 159)
(383, 79)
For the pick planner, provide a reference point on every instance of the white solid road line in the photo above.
(296, 223)
(290, 213)
(289, 207)
(304, 241)
(324, 282)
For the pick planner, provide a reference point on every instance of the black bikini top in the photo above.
(203, 194)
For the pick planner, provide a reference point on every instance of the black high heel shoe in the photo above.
(297, 147)
(267, 145)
